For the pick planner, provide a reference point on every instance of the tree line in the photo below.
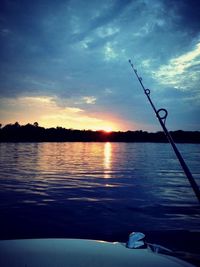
(35, 133)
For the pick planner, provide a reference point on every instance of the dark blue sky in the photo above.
(65, 63)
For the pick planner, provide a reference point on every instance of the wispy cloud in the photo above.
(107, 31)
(179, 72)
(48, 113)
(110, 52)
(89, 99)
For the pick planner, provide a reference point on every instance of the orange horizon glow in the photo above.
(106, 129)
(49, 114)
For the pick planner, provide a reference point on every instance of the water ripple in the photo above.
(90, 184)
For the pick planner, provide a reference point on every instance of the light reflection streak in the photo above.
(107, 159)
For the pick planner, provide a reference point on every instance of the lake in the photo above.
(98, 191)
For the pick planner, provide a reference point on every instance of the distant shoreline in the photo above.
(35, 133)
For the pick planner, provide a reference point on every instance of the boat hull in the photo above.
(79, 253)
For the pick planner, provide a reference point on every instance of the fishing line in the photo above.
(162, 114)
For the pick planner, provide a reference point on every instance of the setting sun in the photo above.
(107, 129)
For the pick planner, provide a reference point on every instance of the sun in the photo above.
(107, 129)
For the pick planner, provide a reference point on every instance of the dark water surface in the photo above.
(98, 191)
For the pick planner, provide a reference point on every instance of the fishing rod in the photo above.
(161, 114)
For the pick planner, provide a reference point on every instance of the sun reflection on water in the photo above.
(107, 159)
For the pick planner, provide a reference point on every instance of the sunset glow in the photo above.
(48, 113)
(107, 129)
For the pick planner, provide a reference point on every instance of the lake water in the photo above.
(96, 190)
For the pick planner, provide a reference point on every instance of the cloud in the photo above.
(149, 27)
(179, 72)
(75, 54)
(186, 15)
(108, 91)
(109, 52)
(89, 99)
(47, 113)
(107, 31)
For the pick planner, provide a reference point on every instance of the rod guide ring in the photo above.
(162, 113)
(147, 91)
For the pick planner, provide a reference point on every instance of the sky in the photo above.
(65, 63)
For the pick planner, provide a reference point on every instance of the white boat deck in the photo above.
(79, 253)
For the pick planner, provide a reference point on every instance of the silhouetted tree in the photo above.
(35, 133)
(36, 124)
(16, 124)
